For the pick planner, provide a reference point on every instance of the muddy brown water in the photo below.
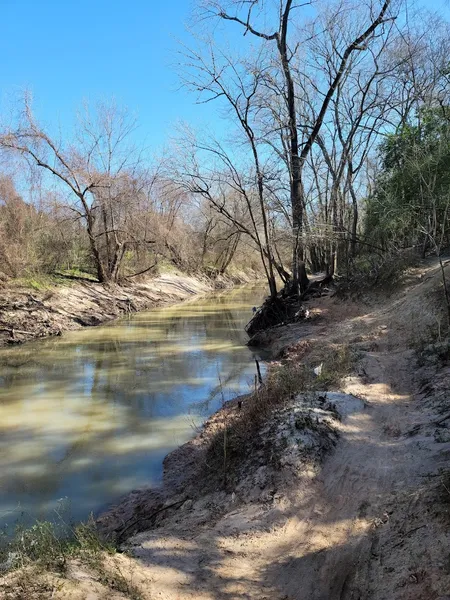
(90, 416)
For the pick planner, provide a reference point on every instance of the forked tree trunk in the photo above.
(101, 273)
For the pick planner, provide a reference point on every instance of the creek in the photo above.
(90, 416)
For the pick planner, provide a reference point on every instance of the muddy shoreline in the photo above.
(339, 494)
(180, 500)
(27, 314)
(183, 468)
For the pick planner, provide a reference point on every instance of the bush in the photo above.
(372, 272)
(50, 545)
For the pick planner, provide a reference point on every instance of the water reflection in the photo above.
(92, 415)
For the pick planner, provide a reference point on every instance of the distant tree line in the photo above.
(337, 146)
(102, 209)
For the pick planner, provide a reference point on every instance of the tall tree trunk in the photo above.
(299, 278)
(101, 273)
(116, 261)
(354, 230)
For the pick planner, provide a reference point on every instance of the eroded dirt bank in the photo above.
(352, 505)
(340, 493)
(26, 314)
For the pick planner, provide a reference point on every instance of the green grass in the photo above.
(34, 555)
(50, 545)
(41, 282)
(166, 266)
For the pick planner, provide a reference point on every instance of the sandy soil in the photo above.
(368, 520)
(26, 314)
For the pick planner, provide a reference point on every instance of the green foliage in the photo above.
(410, 204)
(39, 543)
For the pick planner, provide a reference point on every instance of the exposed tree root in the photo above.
(285, 308)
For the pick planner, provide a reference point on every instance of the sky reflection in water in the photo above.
(92, 415)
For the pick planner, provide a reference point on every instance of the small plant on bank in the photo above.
(37, 559)
(51, 545)
(40, 543)
(337, 362)
(240, 429)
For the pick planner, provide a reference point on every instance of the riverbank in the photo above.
(311, 501)
(325, 485)
(27, 313)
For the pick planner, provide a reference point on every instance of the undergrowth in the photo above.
(239, 435)
(375, 273)
(50, 545)
(37, 560)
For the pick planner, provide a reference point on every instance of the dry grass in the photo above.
(29, 584)
(377, 274)
(419, 316)
(239, 428)
(238, 437)
(336, 362)
(100, 581)
(38, 563)
(51, 545)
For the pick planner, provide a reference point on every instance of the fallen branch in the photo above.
(12, 331)
(142, 272)
(135, 521)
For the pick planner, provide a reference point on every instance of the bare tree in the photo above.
(242, 13)
(100, 172)
(215, 75)
(209, 170)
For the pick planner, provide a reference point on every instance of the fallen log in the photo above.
(13, 331)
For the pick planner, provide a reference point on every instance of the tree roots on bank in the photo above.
(283, 308)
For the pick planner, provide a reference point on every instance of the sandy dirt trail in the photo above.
(324, 541)
(317, 540)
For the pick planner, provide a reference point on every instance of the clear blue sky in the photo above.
(68, 51)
